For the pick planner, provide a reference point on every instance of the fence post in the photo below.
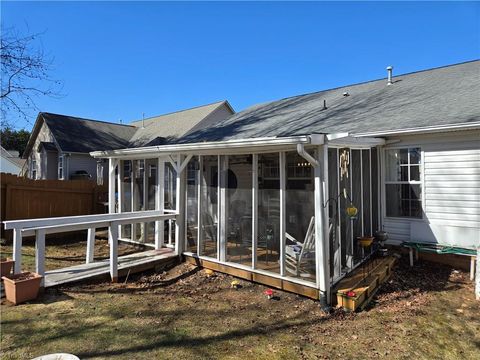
(17, 250)
(90, 245)
(113, 240)
(40, 254)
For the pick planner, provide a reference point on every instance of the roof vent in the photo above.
(345, 94)
(324, 105)
(389, 69)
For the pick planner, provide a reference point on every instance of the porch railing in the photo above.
(41, 227)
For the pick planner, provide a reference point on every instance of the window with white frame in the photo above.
(33, 169)
(61, 167)
(403, 185)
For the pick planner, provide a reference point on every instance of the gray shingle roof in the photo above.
(440, 96)
(83, 135)
(168, 127)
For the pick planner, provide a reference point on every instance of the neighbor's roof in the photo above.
(12, 158)
(447, 95)
(79, 135)
(165, 128)
(74, 134)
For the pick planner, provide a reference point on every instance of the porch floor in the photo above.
(129, 263)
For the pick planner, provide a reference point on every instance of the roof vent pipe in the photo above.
(389, 69)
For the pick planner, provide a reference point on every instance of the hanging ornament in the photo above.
(344, 163)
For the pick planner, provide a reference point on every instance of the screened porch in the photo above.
(274, 208)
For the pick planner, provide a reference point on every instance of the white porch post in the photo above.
(120, 191)
(321, 227)
(113, 239)
(283, 216)
(17, 250)
(90, 245)
(160, 204)
(40, 254)
(199, 205)
(223, 214)
(254, 209)
(180, 207)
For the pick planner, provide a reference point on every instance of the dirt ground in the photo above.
(428, 312)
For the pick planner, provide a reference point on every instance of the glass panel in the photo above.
(392, 200)
(415, 173)
(127, 195)
(239, 209)
(356, 199)
(415, 155)
(151, 184)
(138, 198)
(209, 179)
(300, 243)
(334, 221)
(268, 242)
(366, 192)
(403, 156)
(170, 200)
(375, 190)
(392, 165)
(403, 173)
(345, 222)
(192, 205)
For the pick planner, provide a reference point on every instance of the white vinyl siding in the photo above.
(452, 187)
(450, 191)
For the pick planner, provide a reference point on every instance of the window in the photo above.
(60, 167)
(33, 168)
(402, 183)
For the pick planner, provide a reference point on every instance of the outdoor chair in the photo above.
(300, 255)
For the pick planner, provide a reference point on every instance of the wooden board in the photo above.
(376, 273)
(263, 279)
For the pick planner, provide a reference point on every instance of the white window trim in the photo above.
(420, 182)
(61, 167)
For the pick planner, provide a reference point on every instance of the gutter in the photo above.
(421, 130)
(250, 145)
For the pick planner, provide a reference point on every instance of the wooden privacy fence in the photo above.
(23, 198)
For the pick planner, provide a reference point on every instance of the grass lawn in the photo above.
(66, 251)
(425, 313)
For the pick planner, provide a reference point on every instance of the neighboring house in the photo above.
(11, 162)
(59, 145)
(405, 152)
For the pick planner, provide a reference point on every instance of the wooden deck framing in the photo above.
(263, 279)
(132, 263)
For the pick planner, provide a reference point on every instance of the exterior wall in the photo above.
(6, 166)
(78, 162)
(43, 135)
(450, 179)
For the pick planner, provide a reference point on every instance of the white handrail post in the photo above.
(180, 207)
(90, 245)
(200, 205)
(40, 254)
(17, 250)
(477, 276)
(113, 239)
(160, 204)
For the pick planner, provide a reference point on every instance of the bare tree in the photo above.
(25, 71)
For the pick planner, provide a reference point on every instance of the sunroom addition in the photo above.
(273, 210)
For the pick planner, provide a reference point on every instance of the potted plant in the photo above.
(6, 266)
(21, 287)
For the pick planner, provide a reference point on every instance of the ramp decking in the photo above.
(126, 264)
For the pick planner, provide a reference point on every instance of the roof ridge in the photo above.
(85, 119)
(179, 111)
(363, 82)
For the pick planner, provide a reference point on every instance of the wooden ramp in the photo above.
(132, 263)
(356, 290)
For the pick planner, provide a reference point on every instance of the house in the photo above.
(59, 146)
(10, 162)
(281, 192)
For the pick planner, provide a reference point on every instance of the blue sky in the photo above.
(118, 60)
